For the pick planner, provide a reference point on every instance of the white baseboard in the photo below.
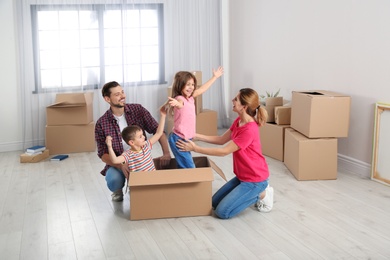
(18, 146)
(350, 165)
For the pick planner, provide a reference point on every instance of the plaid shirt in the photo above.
(107, 125)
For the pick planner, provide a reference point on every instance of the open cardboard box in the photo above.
(70, 109)
(170, 193)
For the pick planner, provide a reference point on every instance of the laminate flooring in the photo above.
(63, 210)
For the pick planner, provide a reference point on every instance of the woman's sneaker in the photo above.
(117, 195)
(265, 205)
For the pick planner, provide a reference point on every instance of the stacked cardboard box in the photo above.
(206, 119)
(318, 118)
(272, 132)
(69, 124)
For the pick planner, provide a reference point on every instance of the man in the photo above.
(112, 123)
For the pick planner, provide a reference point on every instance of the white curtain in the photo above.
(192, 41)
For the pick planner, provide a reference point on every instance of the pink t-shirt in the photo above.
(249, 164)
(185, 119)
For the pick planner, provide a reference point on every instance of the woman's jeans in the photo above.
(183, 158)
(235, 196)
(115, 179)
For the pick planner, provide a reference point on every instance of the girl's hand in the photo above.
(186, 145)
(173, 102)
(218, 73)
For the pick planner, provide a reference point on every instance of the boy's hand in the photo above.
(109, 141)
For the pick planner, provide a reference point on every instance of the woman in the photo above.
(250, 185)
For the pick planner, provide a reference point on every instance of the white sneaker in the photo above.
(265, 205)
(117, 195)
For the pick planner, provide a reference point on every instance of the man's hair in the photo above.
(106, 90)
(129, 132)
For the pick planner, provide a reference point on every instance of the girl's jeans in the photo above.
(115, 179)
(183, 158)
(235, 196)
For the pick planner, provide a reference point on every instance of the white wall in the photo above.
(341, 46)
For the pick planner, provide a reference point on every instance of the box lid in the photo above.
(73, 99)
(202, 173)
(319, 93)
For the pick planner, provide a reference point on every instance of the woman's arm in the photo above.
(220, 140)
(216, 151)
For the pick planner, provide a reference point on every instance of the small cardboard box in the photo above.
(27, 158)
(173, 192)
(70, 109)
(270, 104)
(320, 113)
(283, 115)
(207, 122)
(310, 159)
(71, 138)
(272, 140)
(198, 76)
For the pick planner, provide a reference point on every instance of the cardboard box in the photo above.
(272, 140)
(283, 115)
(173, 192)
(70, 109)
(207, 122)
(320, 113)
(198, 100)
(198, 76)
(310, 159)
(27, 158)
(270, 104)
(71, 138)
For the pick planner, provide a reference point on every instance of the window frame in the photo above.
(99, 8)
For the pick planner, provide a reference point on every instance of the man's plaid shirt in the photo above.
(106, 125)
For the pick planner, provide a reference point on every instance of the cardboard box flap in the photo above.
(318, 93)
(73, 99)
(217, 169)
(164, 177)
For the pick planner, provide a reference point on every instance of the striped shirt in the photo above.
(142, 160)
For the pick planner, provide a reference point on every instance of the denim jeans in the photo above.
(235, 196)
(183, 158)
(115, 179)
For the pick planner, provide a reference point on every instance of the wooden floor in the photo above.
(63, 210)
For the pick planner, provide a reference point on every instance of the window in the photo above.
(85, 46)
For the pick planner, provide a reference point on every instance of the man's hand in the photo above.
(125, 169)
(165, 160)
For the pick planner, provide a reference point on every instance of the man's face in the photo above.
(117, 97)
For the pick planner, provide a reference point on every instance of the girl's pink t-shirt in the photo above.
(249, 164)
(185, 118)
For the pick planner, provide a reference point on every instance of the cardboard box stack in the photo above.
(272, 133)
(318, 118)
(206, 119)
(69, 124)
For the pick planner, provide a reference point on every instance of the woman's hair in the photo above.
(249, 97)
(179, 82)
(106, 90)
(129, 132)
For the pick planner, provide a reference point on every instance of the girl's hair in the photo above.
(179, 82)
(129, 132)
(249, 97)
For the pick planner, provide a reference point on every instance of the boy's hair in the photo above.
(106, 90)
(129, 132)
